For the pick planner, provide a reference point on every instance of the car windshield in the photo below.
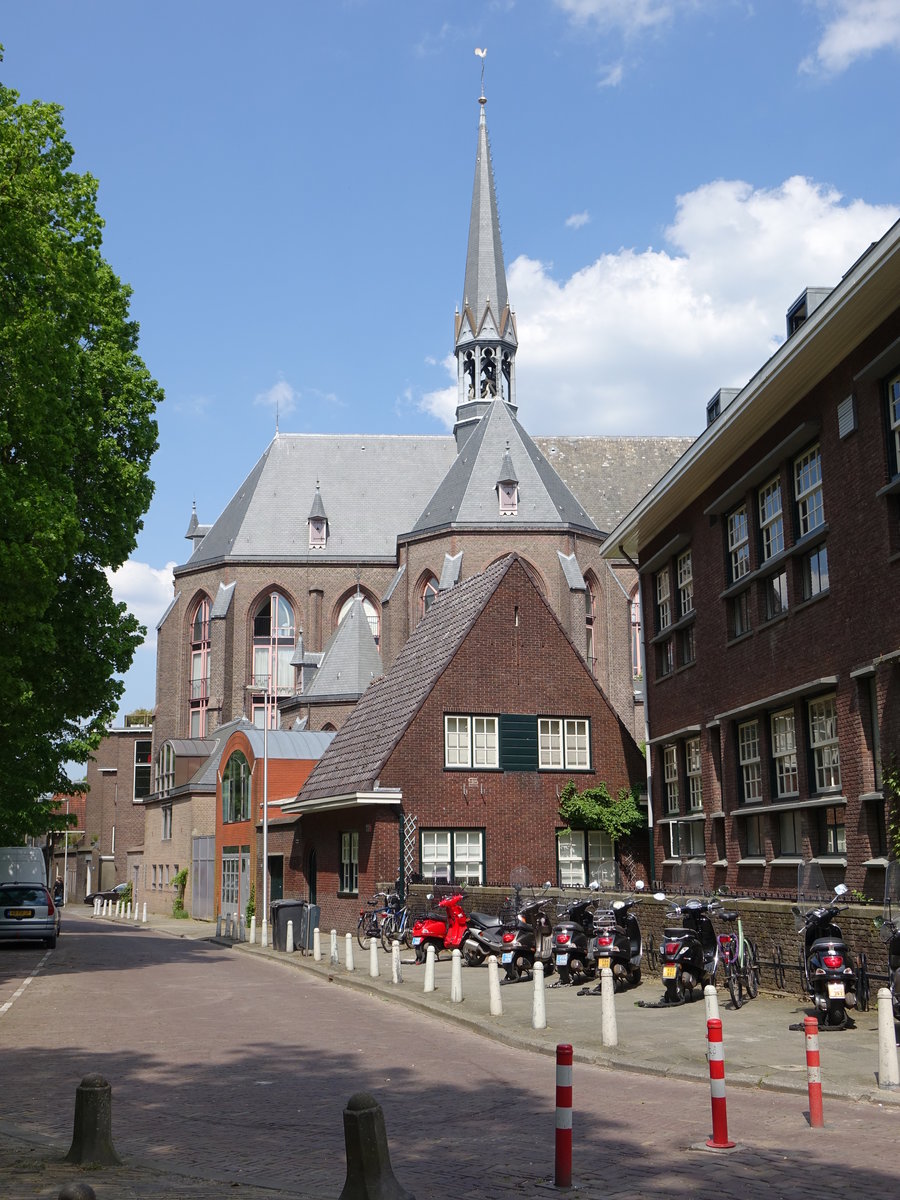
(22, 893)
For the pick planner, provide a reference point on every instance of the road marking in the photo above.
(25, 982)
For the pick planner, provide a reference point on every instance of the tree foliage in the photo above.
(77, 431)
(595, 808)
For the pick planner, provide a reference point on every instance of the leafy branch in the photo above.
(596, 808)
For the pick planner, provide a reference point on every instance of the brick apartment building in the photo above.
(770, 563)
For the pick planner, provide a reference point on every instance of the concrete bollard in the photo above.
(264, 934)
(348, 952)
(373, 959)
(137, 912)
(92, 1137)
(396, 973)
(128, 911)
(711, 1001)
(289, 938)
(494, 1001)
(888, 1073)
(609, 1033)
(235, 926)
(429, 968)
(242, 927)
(219, 925)
(228, 925)
(144, 914)
(539, 1000)
(253, 930)
(77, 1191)
(335, 961)
(317, 944)
(369, 1172)
(456, 991)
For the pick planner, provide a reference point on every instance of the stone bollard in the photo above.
(128, 911)
(494, 1001)
(253, 930)
(219, 925)
(609, 1034)
(317, 944)
(711, 1000)
(456, 991)
(429, 968)
(228, 925)
(77, 1191)
(137, 912)
(348, 951)
(373, 959)
(242, 928)
(144, 914)
(264, 934)
(888, 1074)
(289, 938)
(396, 973)
(539, 1001)
(235, 926)
(369, 1173)
(92, 1139)
(335, 961)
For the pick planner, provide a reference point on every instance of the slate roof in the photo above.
(361, 747)
(351, 659)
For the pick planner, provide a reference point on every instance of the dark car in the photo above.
(27, 913)
(114, 894)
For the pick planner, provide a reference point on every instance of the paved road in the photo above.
(230, 1066)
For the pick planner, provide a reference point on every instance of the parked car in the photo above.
(113, 893)
(27, 913)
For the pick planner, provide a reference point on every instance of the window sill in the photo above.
(870, 796)
(787, 860)
(770, 621)
(889, 489)
(830, 860)
(823, 595)
(751, 862)
(471, 770)
(671, 862)
(674, 627)
(737, 638)
(348, 895)
(876, 862)
(721, 862)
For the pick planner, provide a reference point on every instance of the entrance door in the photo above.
(276, 877)
(244, 899)
(311, 876)
(203, 878)
(231, 881)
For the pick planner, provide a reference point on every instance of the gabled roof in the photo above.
(355, 758)
(351, 659)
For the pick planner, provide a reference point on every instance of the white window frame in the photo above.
(457, 742)
(452, 850)
(739, 543)
(808, 491)
(894, 418)
(790, 833)
(833, 831)
(670, 777)
(685, 568)
(584, 856)
(564, 743)
(784, 753)
(166, 810)
(751, 763)
(771, 519)
(485, 741)
(663, 599)
(349, 881)
(694, 770)
(823, 740)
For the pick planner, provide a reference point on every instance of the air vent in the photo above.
(846, 413)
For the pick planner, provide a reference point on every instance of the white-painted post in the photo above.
(144, 914)
(711, 1000)
(373, 958)
(118, 908)
(888, 1073)
(609, 1034)
(228, 925)
(496, 1004)
(317, 944)
(128, 912)
(137, 912)
(348, 952)
(235, 926)
(96, 908)
(289, 938)
(396, 973)
(429, 968)
(253, 930)
(539, 1002)
(456, 991)
(335, 961)
(264, 934)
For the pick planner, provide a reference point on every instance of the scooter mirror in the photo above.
(594, 886)
(430, 896)
(617, 904)
(659, 895)
(841, 889)
(878, 922)
(547, 885)
(639, 886)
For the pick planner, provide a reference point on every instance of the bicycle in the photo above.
(371, 919)
(740, 961)
(396, 926)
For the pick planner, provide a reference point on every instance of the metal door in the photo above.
(203, 878)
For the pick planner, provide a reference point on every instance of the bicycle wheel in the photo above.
(751, 968)
(733, 979)
(388, 933)
(364, 930)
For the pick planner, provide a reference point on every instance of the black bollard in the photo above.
(77, 1191)
(369, 1174)
(92, 1139)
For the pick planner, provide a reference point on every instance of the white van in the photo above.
(22, 864)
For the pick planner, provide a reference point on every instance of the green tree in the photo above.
(77, 432)
(595, 808)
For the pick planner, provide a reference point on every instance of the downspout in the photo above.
(648, 762)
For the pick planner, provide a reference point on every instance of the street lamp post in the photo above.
(264, 937)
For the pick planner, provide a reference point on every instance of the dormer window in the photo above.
(316, 533)
(509, 499)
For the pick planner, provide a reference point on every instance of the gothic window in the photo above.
(637, 655)
(199, 680)
(428, 595)
(371, 615)
(590, 614)
(273, 648)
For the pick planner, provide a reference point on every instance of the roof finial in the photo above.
(482, 99)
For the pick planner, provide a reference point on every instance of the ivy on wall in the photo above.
(596, 808)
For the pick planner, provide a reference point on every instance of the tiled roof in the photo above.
(351, 659)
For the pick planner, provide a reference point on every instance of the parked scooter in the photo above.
(617, 943)
(827, 966)
(530, 939)
(445, 930)
(484, 937)
(689, 952)
(572, 940)
(888, 925)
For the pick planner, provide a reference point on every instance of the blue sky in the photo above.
(286, 187)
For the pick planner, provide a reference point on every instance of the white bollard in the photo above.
(495, 1003)
(219, 925)
(609, 1034)
(235, 926)
(538, 1002)
(96, 908)
(888, 1073)
(456, 992)
(429, 968)
(348, 952)
(711, 1000)
(137, 912)
(335, 961)
(317, 944)
(253, 930)
(144, 916)
(373, 958)
(118, 907)
(128, 912)
(396, 973)
(264, 934)
(228, 925)
(289, 938)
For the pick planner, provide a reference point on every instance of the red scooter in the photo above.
(444, 930)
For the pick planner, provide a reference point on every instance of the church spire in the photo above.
(485, 329)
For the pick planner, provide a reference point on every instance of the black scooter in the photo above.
(617, 943)
(528, 940)
(572, 941)
(828, 968)
(888, 925)
(484, 938)
(689, 952)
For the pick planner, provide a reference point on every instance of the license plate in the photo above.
(602, 964)
(20, 912)
(506, 957)
(417, 941)
(835, 991)
(562, 959)
(669, 972)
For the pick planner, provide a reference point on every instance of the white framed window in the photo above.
(784, 752)
(790, 829)
(165, 768)
(663, 599)
(739, 611)
(578, 744)
(755, 842)
(585, 856)
(457, 743)
(670, 777)
(349, 862)
(771, 519)
(687, 839)
(166, 810)
(564, 743)
(665, 658)
(808, 491)
(550, 745)
(751, 766)
(694, 764)
(685, 569)
(823, 739)
(894, 419)
(485, 742)
(452, 855)
(833, 832)
(738, 543)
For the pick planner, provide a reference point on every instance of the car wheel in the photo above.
(50, 942)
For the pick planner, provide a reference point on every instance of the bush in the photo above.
(180, 882)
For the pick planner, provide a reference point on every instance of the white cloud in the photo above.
(639, 340)
(147, 592)
(611, 75)
(280, 397)
(577, 220)
(631, 16)
(854, 29)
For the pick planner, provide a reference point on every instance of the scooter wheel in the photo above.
(564, 976)
(474, 958)
(674, 991)
(835, 1015)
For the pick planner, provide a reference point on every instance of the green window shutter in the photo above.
(518, 742)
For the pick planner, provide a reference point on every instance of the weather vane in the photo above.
(481, 54)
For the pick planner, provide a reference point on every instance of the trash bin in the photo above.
(309, 920)
(284, 911)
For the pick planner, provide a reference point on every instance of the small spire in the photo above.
(482, 54)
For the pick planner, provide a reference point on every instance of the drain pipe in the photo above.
(648, 761)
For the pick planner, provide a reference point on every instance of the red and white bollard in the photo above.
(563, 1172)
(716, 1051)
(813, 1072)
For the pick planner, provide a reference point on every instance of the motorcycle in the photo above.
(444, 930)
(689, 952)
(483, 938)
(572, 941)
(888, 926)
(529, 940)
(827, 966)
(618, 943)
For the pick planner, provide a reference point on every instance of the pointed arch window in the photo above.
(236, 789)
(590, 613)
(637, 656)
(371, 615)
(198, 691)
(273, 648)
(429, 594)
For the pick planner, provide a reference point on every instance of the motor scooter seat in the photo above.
(829, 943)
(484, 920)
(675, 932)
